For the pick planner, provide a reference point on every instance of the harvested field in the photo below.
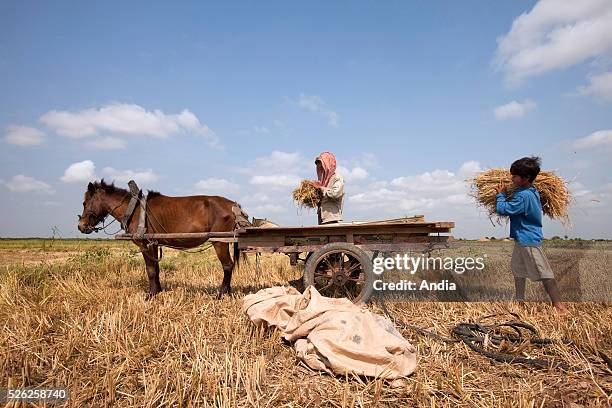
(81, 321)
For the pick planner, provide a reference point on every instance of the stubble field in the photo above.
(73, 314)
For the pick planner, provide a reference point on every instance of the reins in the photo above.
(103, 220)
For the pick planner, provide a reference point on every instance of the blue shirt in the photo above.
(525, 211)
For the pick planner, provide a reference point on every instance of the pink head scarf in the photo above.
(328, 162)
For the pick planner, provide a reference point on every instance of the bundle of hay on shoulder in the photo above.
(554, 194)
(307, 195)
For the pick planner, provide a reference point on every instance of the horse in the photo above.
(164, 214)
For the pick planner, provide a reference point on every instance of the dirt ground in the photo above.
(74, 315)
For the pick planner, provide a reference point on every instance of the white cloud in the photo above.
(262, 210)
(258, 197)
(355, 174)
(601, 138)
(315, 104)
(213, 186)
(591, 198)
(261, 129)
(123, 119)
(514, 109)
(367, 160)
(419, 193)
(26, 184)
(278, 160)
(80, 172)
(279, 180)
(23, 135)
(600, 86)
(277, 170)
(437, 181)
(107, 143)
(143, 176)
(469, 169)
(555, 34)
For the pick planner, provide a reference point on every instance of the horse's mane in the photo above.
(108, 188)
(112, 188)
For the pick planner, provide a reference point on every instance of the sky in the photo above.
(238, 98)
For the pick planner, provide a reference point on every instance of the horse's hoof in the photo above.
(150, 295)
(222, 291)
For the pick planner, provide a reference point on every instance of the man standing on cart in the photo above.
(331, 186)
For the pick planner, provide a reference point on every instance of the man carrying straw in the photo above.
(525, 211)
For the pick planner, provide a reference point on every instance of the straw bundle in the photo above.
(554, 194)
(307, 195)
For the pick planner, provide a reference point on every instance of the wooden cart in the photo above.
(336, 261)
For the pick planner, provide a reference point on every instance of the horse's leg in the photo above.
(150, 257)
(223, 253)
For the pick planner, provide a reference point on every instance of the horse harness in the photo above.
(136, 198)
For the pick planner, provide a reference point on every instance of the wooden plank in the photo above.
(246, 243)
(385, 229)
(395, 247)
(403, 220)
(227, 240)
(346, 227)
(182, 235)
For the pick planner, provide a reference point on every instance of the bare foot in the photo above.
(560, 308)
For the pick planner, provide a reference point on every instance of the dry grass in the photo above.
(306, 194)
(84, 324)
(554, 194)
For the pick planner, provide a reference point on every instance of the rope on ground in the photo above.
(478, 337)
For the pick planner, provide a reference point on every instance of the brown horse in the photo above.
(164, 215)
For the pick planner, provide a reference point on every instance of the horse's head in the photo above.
(94, 207)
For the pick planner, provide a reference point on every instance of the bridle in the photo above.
(90, 214)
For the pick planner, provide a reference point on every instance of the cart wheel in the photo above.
(340, 269)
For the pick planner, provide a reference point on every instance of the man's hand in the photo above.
(317, 184)
(501, 187)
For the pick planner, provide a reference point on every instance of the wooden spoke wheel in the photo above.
(340, 269)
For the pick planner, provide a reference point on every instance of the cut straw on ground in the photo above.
(554, 193)
(77, 318)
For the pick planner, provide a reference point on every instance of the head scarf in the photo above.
(328, 162)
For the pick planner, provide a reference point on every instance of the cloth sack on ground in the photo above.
(333, 335)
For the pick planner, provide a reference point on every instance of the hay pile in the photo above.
(307, 195)
(554, 194)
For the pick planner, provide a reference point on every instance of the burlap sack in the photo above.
(334, 335)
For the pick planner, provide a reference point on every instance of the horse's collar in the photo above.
(135, 193)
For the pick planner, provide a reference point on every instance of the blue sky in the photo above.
(238, 98)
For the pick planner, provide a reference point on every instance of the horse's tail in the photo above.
(239, 255)
(241, 221)
(236, 256)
